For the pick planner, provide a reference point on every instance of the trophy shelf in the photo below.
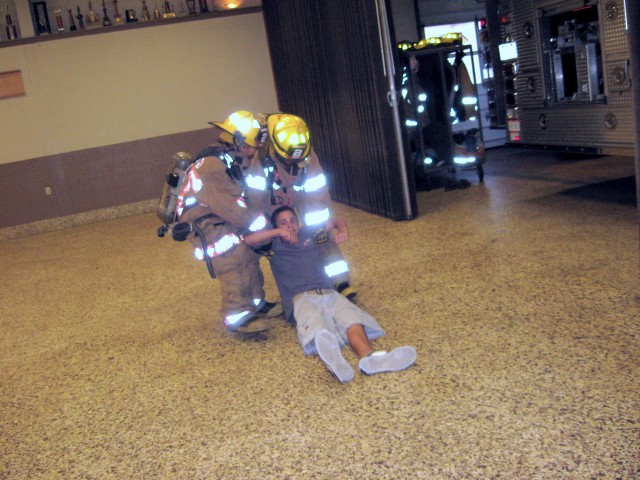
(115, 27)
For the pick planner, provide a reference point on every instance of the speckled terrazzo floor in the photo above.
(520, 295)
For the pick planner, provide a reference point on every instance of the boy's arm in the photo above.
(259, 237)
(338, 224)
(265, 236)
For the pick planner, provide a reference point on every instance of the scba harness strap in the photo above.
(181, 232)
(272, 178)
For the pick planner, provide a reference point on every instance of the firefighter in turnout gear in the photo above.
(293, 177)
(214, 205)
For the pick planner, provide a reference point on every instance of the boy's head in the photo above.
(286, 218)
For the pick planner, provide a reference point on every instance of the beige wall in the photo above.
(103, 114)
(97, 90)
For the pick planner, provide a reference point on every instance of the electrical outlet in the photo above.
(47, 190)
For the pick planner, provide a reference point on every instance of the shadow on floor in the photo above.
(621, 191)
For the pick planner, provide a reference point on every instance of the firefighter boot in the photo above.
(253, 325)
(270, 310)
(347, 290)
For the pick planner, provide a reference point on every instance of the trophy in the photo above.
(79, 16)
(145, 12)
(131, 16)
(92, 19)
(10, 28)
(117, 17)
(72, 24)
(106, 22)
(58, 13)
(156, 13)
(40, 18)
(203, 6)
(167, 11)
(181, 13)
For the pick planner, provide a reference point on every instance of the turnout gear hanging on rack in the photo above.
(463, 94)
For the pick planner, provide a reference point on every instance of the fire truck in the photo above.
(561, 74)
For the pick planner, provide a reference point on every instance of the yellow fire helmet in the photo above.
(404, 46)
(289, 136)
(427, 42)
(241, 127)
(452, 38)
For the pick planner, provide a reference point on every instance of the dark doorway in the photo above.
(331, 64)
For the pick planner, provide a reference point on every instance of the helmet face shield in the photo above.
(239, 138)
(297, 153)
(241, 126)
(290, 137)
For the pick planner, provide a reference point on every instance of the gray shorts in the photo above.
(326, 309)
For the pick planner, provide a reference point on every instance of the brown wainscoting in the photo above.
(105, 182)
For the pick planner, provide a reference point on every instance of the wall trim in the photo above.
(78, 219)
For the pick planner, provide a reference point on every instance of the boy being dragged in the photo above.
(326, 321)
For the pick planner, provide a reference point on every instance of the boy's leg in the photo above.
(331, 354)
(397, 359)
(310, 320)
(346, 315)
(378, 361)
(358, 340)
(355, 320)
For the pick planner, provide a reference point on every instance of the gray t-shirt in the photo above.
(299, 268)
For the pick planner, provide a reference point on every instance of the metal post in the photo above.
(392, 97)
(633, 21)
